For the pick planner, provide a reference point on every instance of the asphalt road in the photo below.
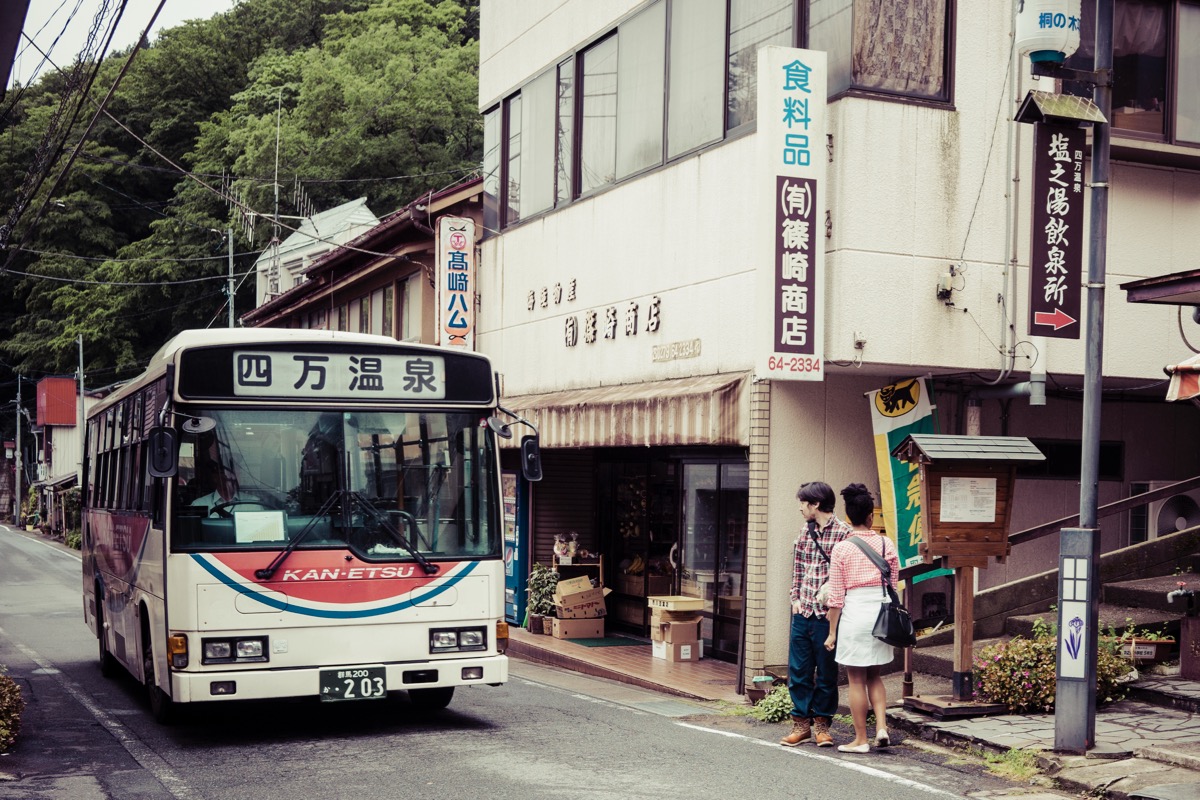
(546, 734)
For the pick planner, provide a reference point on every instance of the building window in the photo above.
(752, 24)
(538, 111)
(377, 327)
(1156, 44)
(897, 47)
(564, 133)
(598, 126)
(697, 75)
(667, 81)
(389, 311)
(640, 79)
(512, 157)
(491, 171)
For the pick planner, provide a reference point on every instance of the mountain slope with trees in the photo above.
(373, 98)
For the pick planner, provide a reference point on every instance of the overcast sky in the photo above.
(47, 19)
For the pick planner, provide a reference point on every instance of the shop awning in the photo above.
(712, 410)
(1185, 380)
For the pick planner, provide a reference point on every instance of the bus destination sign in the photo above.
(338, 375)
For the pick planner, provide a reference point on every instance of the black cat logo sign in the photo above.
(899, 398)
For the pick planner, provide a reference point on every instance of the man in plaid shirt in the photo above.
(813, 701)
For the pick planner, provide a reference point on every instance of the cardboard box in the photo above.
(659, 616)
(588, 595)
(677, 632)
(573, 585)
(675, 602)
(679, 652)
(578, 628)
(592, 610)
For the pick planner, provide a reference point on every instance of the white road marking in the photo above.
(151, 761)
(845, 763)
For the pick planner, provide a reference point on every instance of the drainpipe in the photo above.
(1012, 174)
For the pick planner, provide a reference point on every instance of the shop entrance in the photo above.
(673, 521)
(712, 552)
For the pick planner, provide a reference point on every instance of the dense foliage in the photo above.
(373, 98)
(11, 705)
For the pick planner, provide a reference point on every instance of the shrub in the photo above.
(11, 705)
(1020, 673)
(73, 539)
(776, 705)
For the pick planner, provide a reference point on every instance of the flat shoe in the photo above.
(882, 739)
(854, 748)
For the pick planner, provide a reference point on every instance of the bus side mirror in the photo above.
(164, 452)
(531, 458)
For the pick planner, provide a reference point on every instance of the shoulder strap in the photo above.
(813, 533)
(876, 558)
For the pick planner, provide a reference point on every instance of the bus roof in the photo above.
(216, 337)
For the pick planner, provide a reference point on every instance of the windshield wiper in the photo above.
(270, 569)
(386, 524)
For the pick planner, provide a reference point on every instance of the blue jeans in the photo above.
(807, 655)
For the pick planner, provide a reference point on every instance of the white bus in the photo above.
(283, 513)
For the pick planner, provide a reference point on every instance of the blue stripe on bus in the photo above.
(290, 606)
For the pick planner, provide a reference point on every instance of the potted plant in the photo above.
(1142, 645)
(540, 592)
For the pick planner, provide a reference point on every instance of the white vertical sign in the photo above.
(456, 282)
(792, 99)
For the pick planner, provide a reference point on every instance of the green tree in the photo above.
(361, 90)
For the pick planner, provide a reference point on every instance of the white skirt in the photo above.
(856, 647)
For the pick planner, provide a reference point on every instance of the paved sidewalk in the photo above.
(1138, 746)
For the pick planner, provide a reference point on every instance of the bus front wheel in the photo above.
(431, 699)
(162, 708)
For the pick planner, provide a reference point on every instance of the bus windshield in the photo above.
(389, 485)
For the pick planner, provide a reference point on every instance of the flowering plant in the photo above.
(1021, 672)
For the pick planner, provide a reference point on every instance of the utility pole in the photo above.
(17, 481)
(229, 287)
(1075, 700)
(81, 422)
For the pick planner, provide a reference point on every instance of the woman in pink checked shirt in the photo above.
(855, 593)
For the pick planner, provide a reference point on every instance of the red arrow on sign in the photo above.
(1058, 318)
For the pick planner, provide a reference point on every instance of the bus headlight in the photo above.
(235, 650)
(457, 640)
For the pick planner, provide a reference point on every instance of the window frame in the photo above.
(1126, 141)
(573, 60)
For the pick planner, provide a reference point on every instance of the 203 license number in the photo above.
(358, 683)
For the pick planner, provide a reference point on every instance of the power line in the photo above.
(89, 282)
(105, 259)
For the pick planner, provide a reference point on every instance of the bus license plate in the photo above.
(355, 683)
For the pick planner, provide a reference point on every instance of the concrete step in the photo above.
(1150, 592)
(1116, 617)
(938, 659)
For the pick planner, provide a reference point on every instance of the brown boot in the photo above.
(801, 732)
(823, 739)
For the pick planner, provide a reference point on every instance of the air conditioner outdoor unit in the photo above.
(1161, 517)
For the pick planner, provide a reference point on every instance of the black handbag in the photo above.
(894, 625)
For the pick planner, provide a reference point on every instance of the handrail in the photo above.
(1136, 501)
(1047, 528)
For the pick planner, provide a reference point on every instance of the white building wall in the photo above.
(912, 189)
